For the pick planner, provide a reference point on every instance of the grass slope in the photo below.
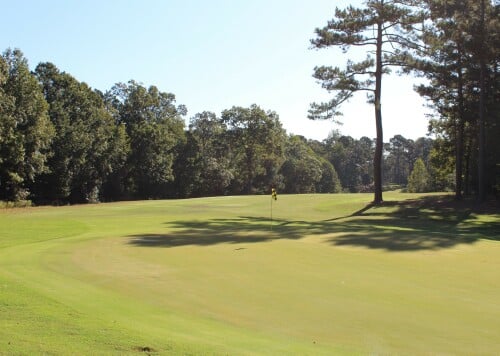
(331, 274)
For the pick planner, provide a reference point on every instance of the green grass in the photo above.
(331, 275)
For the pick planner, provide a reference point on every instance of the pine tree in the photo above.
(418, 182)
(385, 28)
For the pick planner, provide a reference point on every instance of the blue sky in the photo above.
(210, 54)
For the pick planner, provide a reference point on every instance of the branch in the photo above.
(367, 89)
(327, 111)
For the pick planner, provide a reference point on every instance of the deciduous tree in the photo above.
(214, 171)
(155, 128)
(25, 128)
(256, 142)
(302, 169)
(88, 145)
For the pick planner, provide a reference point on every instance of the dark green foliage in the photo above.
(25, 129)
(256, 142)
(352, 160)
(155, 129)
(213, 173)
(306, 168)
(460, 61)
(441, 166)
(329, 182)
(418, 182)
(186, 169)
(302, 169)
(88, 145)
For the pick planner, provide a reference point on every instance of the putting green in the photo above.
(330, 274)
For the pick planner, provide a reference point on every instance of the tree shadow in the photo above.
(207, 232)
(356, 213)
(428, 223)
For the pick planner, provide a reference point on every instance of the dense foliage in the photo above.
(25, 128)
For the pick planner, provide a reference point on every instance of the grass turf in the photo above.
(330, 274)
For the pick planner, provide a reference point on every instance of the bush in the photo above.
(15, 204)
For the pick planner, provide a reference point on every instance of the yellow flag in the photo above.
(274, 195)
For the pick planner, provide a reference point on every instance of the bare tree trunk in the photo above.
(481, 187)
(379, 145)
(459, 139)
(467, 163)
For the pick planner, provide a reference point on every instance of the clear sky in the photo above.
(211, 54)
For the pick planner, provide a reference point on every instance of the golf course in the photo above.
(328, 274)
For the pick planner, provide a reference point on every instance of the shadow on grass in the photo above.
(428, 223)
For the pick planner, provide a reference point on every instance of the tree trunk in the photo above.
(467, 162)
(459, 139)
(481, 187)
(377, 160)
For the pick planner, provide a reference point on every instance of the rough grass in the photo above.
(330, 274)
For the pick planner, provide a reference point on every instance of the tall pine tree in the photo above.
(385, 29)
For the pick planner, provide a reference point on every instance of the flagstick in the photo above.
(271, 213)
(273, 197)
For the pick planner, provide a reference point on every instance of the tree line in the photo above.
(64, 142)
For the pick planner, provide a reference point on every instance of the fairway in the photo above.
(330, 274)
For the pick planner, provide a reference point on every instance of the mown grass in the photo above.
(331, 274)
